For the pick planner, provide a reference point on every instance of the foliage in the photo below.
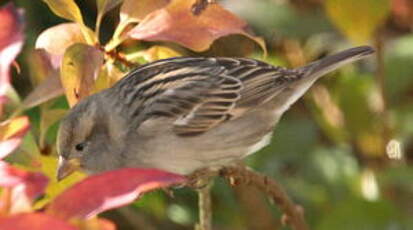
(344, 152)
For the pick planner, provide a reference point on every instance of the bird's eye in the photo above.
(79, 147)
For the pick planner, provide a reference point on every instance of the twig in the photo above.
(118, 57)
(240, 174)
(294, 215)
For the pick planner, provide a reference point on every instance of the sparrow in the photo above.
(186, 113)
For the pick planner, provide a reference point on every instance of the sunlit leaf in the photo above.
(55, 40)
(69, 10)
(154, 53)
(176, 23)
(109, 190)
(358, 19)
(135, 11)
(11, 42)
(109, 75)
(11, 134)
(80, 67)
(33, 221)
(25, 186)
(54, 189)
(66, 9)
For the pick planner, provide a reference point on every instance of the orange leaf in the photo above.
(11, 134)
(80, 68)
(176, 23)
(109, 190)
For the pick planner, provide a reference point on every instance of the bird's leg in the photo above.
(204, 204)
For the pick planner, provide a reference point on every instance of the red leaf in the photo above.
(34, 183)
(11, 42)
(33, 221)
(11, 134)
(109, 190)
(177, 23)
(22, 186)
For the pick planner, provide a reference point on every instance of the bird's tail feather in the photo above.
(335, 61)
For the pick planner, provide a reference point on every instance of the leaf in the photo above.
(358, 19)
(69, 10)
(135, 11)
(159, 52)
(11, 42)
(66, 9)
(176, 23)
(11, 134)
(109, 75)
(80, 67)
(109, 190)
(56, 39)
(46, 78)
(54, 189)
(33, 221)
(25, 186)
(106, 5)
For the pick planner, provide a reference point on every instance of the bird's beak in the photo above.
(66, 167)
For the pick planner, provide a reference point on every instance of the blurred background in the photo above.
(344, 152)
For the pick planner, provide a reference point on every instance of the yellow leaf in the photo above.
(80, 67)
(54, 188)
(69, 10)
(358, 19)
(13, 127)
(11, 134)
(159, 52)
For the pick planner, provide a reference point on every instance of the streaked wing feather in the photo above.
(201, 93)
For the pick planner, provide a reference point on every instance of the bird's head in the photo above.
(88, 139)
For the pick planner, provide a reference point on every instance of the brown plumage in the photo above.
(182, 114)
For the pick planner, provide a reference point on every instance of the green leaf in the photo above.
(358, 19)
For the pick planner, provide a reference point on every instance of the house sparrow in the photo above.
(186, 113)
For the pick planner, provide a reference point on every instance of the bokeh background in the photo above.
(344, 152)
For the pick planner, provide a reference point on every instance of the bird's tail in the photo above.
(321, 67)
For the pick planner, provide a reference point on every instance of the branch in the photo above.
(294, 215)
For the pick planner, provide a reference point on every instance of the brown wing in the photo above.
(200, 92)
